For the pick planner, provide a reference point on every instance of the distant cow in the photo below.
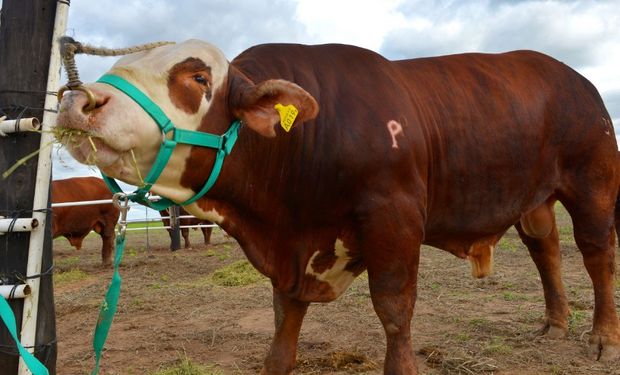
(206, 232)
(76, 222)
(448, 151)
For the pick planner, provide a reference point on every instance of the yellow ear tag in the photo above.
(288, 113)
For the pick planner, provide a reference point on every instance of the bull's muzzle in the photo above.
(92, 102)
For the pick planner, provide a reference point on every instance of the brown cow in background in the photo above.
(206, 232)
(76, 222)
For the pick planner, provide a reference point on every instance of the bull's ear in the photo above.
(255, 104)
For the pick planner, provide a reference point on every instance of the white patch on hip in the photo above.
(336, 277)
(395, 128)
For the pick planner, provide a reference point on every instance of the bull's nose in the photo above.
(85, 99)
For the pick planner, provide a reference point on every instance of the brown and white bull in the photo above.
(448, 151)
(76, 222)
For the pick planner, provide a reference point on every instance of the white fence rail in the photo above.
(146, 221)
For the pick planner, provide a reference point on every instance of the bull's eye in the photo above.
(201, 79)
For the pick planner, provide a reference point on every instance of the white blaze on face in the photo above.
(149, 72)
(336, 276)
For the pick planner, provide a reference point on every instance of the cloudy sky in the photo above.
(583, 34)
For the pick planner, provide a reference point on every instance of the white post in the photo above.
(44, 173)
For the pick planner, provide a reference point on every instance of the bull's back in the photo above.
(487, 136)
(502, 131)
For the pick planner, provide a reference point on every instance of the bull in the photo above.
(383, 156)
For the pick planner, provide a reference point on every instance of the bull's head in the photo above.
(197, 89)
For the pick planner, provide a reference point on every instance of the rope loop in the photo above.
(69, 47)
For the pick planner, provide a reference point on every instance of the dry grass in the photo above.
(60, 134)
(461, 325)
(187, 367)
(71, 276)
(239, 273)
(75, 138)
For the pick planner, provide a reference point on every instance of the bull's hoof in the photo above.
(603, 348)
(556, 333)
(553, 332)
(106, 263)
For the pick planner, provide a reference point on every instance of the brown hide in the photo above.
(447, 151)
(76, 222)
(206, 232)
(478, 149)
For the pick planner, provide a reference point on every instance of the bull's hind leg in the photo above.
(539, 233)
(592, 210)
(206, 234)
(185, 235)
(289, 314)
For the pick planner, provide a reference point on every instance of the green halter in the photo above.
(222, 143)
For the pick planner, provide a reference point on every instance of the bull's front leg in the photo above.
(392, 253)
(107, 238)
(289, 315)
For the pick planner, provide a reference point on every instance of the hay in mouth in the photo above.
(70, 137)
(74, 138)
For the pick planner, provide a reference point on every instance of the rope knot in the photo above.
(69, 47)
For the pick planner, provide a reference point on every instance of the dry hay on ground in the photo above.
(171, 310)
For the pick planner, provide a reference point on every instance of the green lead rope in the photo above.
(109, 304)
(223, 144)
(34, 365)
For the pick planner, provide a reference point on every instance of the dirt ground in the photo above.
(170, 309)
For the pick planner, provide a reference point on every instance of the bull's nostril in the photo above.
(100, 101)
(83, 98)
(91, 101)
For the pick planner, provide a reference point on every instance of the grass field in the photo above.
(204, 311)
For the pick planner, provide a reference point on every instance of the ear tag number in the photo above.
(288, 113)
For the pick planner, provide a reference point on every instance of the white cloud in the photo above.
(232, 26)
(584, 34)
(359, 22)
